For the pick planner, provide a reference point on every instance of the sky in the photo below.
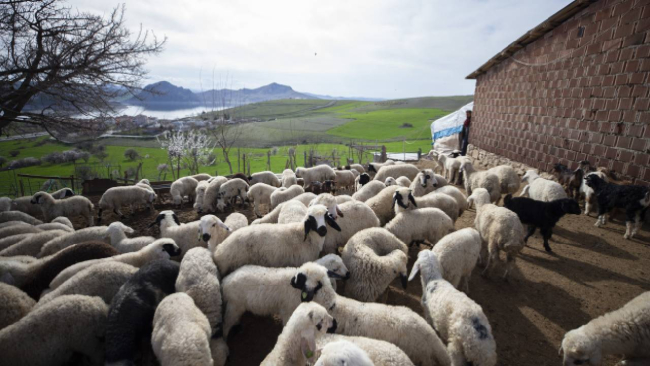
(354, 48)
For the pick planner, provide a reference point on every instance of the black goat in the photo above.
(541, 214)
(633, 198)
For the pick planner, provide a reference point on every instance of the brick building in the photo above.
(574, 88)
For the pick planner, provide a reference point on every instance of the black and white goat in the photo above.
(570, 179)
(540, 214)
(634, 199)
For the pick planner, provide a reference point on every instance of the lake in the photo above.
(171, 113)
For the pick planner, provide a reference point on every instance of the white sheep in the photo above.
(69, 207)
(116, 197)
(102, 279)
(289, 178)
(186, 235)
(230, 190)
(424, 224)
(260, 193)
(284, 194)
(368, 190)
(199, 195)
(456, 194)
(59, 223)
(424, 183)
(403, 181)
(319, 173)
(163, 248)
(375, 257)
(95, 233)
(356, 217)
(210, 197)
(382, 204)
(5, 204)
(19, 228)
(343, 198)
(407, 170)
(25, 205)
(19, 216)
(181, 188)
(344, 179)
(404, 200)
(31, 244)
(328, 201)
(358, 167)
(181, 333)
(116, 231)
(450, 166)
(474, 179)
(272, 217)
(11, 240)
(373, 168)
(458, 319)
(500, 229)
(458, 253)
(267, 291)
(390, 181)
(398, 325)
(343, 353)
(296, 344)
(201, 177)
(14, 304)
(266, 177)
(381, 353)
(51, 334)
(621, 332)
(276, 245)
(292, 211)
(508, 178)
(145, 183)
(213, 231)
(542, 189)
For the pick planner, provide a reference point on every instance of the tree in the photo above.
(67, 62)
(131, 154)
(101, 155)
(192, 149)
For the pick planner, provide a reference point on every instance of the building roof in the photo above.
(532, 35)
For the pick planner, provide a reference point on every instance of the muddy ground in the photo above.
(590, 272)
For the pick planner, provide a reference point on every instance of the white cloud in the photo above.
(387, 48)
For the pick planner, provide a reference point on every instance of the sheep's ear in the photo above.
(412, 199)
(127, 229)
(176, 219)
(298, 281)
(171, 249)
(331, 222)
(338, 211)
(414, 270)
(158, 220)
(396, 196)
(310, 223)
(559, 351)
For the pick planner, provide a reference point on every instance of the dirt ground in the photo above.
(590, 272)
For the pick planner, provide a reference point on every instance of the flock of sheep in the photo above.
(321, 262)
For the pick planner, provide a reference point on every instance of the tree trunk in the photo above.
(227, 159)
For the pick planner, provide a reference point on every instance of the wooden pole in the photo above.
(72, 182)
(244, 165)
(22, 188)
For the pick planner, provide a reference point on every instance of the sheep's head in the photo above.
(427, 177)
(168, 217)
(428, 263)
(570, 206)
(404, 198)
(372, 168)
(343, 353)
(151, 197)
(300, 172)
(208, 225)
(317, 216)
(529, 176)
(165, 248)
(390, 181)
(479, 196)
(594, 181)
(67, 192)
(579, 349)
(39, 198)
(309, 279)
(336, 269)
(364, 178)
(400, 259)
(328, 201)
(309, 319)
(145, 181)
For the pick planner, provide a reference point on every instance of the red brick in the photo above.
(646, 175)
(623, 91)
(643, 25)
(642, 104)
(632, 66)
(639, 144)
(629, 116)
(637, 78)
(624, 156)
(623, 142)
(645, 66)
(616, 68)
(626, 54)
(612, 56)
(633, 40)
(621, 79)
(632, 170)
(625, 103)
(611, 153)
(640, 91)
(642, 159)
(617, 166)
(609, 140)
(643, 51)
(622, 7)
(608, 81)
(644, 117)
(634, 130)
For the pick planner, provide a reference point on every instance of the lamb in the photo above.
(398, 325)
(328, 201)
(374, 257)
(272, 217)
(211, 193)
(260, 193)
(416, 226)
(500, 229)
(474, 179)
(51, 334)
(390, 181)
(144, 183)
(373, 168)
(116, 231)
(69, 207)
(458, 254)
(634, 199)
(95, 233)
(292, 211)
(358, 216)
(24, 205)
(509, 181)
(284, 194)
(368, 191)
(456, 194)
(403, 200)
(19, 228)
(343, 353)
(276, 245)
(59, 223)
(185, 235)
(181, 188)
(344, 179)
(19, 216)
(213, 231)
(132, 310)
(163, 248)
(451, 167)
(542, 215)
(458, 319)
(272, 291)
(31, 244)
(320, 173)
(620, 332)
(381, 353)
(297, 343)
(116, 197)
(230, 190)
(266, 177)
(102, 279)
(201, 177)
(398, 170)
(199, 195)
(289, 178)
(541, 189)
(181, 333)
(382, 204)
(588, 192)
(14, 305)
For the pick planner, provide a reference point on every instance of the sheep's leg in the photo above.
(546, 234)
(90, 220)
(510, 261)
(231, 318)
(256, 209)
(490, 258)
(638, 220)
(119, 213)
(466, 283)
(456, 353)
(531, 231)
(99, 216)
(587, 204)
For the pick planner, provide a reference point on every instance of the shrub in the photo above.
(71, 156)
(101, 155)
(406, 125)
(14, 153)
(85, 172)
(84, 155)
(3, 161)
(131, 154)
(24, 162)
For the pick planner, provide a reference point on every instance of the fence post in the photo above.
(238, 161)
(22, 189)
(72, 182)
(419, 153)
(305, 153)
(244, 163)
(268, 160)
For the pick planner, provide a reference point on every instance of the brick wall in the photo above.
(583, 98)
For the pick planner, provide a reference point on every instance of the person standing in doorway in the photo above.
(463, 136)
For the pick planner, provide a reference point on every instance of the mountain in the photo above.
(164, 92)
(329, 97)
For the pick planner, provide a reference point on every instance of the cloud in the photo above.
(387, 49)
